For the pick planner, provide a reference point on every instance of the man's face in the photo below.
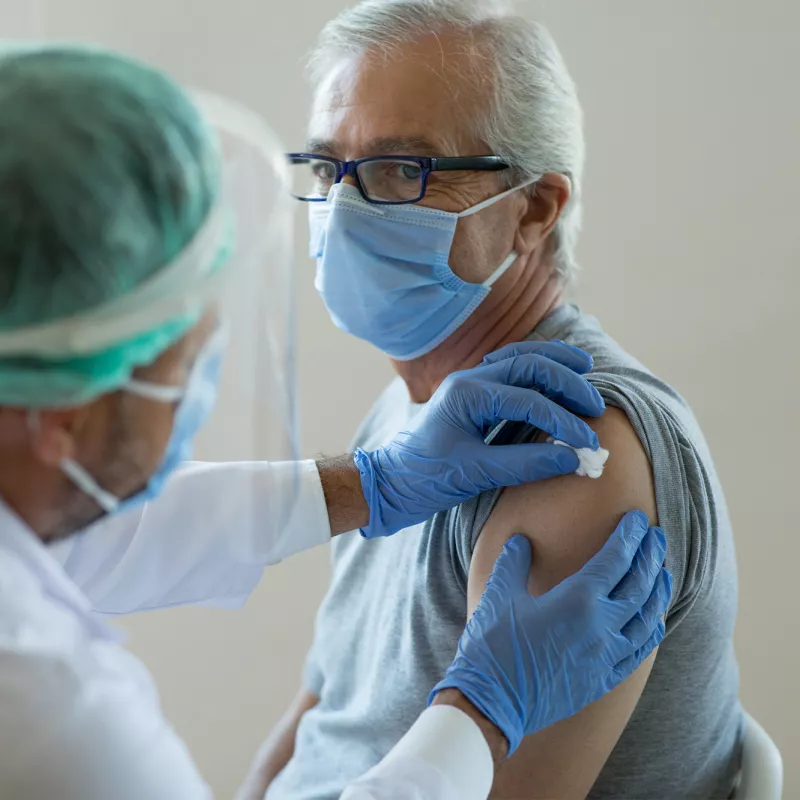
(144, 426)
(121, 438)
(421, 101)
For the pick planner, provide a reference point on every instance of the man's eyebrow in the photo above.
(382, 146)
(403, 145)
(322, 147)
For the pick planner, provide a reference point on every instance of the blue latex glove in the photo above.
(442, 459)
(527, 662)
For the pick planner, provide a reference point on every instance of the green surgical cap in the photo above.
(107, 171)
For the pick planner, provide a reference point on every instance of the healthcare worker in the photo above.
(136, 235)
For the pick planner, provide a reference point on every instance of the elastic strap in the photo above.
(154, 391)
(492, 200)
(79, 476)
(88, 485)
(501, 270)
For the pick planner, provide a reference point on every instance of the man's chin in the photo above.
(84, 515)
(74, 525)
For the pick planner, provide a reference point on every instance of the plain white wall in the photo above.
(690, 257)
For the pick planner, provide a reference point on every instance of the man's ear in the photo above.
(54, 434)
(546, 200)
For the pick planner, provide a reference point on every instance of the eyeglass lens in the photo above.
(386, 179)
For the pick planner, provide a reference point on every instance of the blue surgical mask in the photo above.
(195, 402)
(383, 272)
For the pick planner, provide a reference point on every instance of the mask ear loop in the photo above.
(501, 270)
(174, 394)
(154, 391)
(467, 212)
(89, 486)
(513, 255)
(79, 476)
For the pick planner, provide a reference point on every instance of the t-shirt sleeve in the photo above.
(684, 495)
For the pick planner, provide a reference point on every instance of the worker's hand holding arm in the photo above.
(442, 458)
(525, 663)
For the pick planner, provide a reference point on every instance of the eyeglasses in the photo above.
(383, 180)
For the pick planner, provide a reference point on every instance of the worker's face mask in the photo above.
(383, 273)
(195, 402)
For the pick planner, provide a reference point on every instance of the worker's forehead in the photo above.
(172, 367)
(417, 100)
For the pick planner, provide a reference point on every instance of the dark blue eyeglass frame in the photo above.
(426, 165)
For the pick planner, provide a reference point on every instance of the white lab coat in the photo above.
(80, 716)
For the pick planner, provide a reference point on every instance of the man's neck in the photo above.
(518, 302)
(21, 510)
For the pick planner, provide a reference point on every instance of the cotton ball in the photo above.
(590, 462)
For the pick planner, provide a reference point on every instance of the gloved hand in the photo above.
(527, 662)
(442, 459)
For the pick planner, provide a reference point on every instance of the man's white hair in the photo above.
(533, 119)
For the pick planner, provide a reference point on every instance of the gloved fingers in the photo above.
(509, 574)
(573, 357)
(634, 589)
(628, 665)
(513, 464)
(615, 559)
(516, 404)
(514, 562)
(552, 379)
(642, 625)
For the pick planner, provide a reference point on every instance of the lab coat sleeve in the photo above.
(75, 740)
(444, 756)
(205, 540)
(80, 717)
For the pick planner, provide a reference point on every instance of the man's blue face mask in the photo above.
(195, 402)
(383, 270)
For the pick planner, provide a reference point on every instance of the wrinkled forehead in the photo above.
(419, 99)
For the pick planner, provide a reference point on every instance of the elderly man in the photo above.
(444, 174)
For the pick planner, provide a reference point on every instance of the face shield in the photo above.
(255, 416)
(238, 264)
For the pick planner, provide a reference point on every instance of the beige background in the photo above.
(690, 255)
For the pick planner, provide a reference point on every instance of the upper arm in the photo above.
(567, 521)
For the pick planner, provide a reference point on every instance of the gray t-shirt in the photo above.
(389, 625)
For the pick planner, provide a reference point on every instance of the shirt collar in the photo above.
(556, 324)
(20, 540)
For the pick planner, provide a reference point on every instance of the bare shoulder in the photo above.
(568, 519)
